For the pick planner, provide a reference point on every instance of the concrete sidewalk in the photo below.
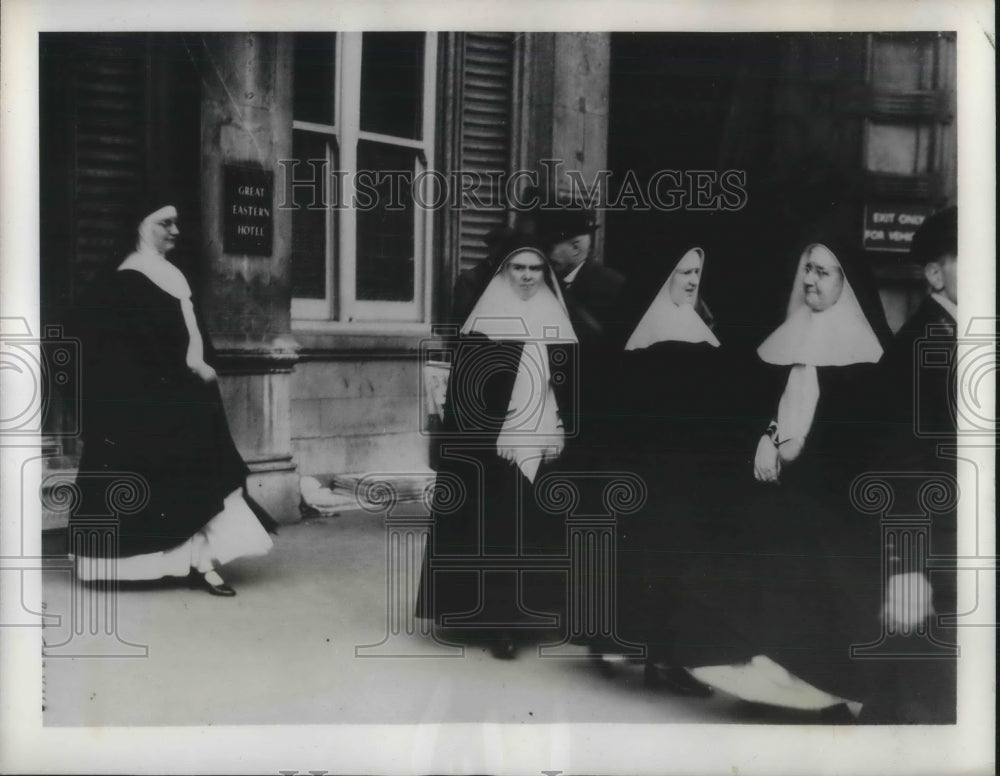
(283, 652)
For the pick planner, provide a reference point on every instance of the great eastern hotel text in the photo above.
(248, 215)
(254, 211)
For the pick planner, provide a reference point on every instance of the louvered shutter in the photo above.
(485, 142)
(108, 137)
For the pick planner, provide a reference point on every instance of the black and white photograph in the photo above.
(410, 391)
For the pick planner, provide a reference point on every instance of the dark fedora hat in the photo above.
(936, 237)
(562, 223)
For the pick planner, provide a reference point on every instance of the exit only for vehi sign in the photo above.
(891, 227)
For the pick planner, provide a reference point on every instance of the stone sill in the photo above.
(327, 340)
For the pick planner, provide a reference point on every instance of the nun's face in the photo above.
(524, 273)
(822, 279)
(685, 279)
(161, 229)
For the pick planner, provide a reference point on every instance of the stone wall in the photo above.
(357, 414)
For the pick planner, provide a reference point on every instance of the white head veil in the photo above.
(837, 336)
(500, 314)
(667, 321)
(840, 335)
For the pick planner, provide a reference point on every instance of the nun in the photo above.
(508, 412)
(676, 431)
(806, 584)
(154, 421)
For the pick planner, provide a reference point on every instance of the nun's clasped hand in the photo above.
(766, 463)
(204, 371)
(550, 448)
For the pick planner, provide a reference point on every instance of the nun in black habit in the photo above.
(803, 581)
(676, 417)
(507, 416)
(153, 415)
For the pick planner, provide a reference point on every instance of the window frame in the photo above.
(340, 310)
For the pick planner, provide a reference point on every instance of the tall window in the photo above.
(362, 141)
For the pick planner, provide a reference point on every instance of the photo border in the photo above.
(27, 746)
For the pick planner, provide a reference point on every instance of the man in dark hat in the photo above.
(592, 290)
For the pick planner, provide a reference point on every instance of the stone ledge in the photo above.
(347, 492)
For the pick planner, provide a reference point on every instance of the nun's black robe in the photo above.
(487, 508)
(803, 581)
(678, 438)
(795, 569)
(147, 415)
(798, 577)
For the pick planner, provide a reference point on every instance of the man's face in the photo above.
(569, 254)
(524, 273)
(822, 279)
(943, 276)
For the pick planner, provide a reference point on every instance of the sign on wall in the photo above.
(247, 210)
(891, 227)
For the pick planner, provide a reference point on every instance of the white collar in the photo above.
(160, 271)
(501, 314)
(571, 275)
(950, 307)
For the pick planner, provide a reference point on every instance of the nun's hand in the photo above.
(204, 371)
(790, 448)
(507, 452)
(766, 464)
(553, 450)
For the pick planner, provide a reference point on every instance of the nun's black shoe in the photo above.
(676, 680)
(221, 589)
(504, 648)
(605, 665)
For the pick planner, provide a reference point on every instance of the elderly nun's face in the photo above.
(160, 229)
(524, 273)
(685, 279)
(822, 279)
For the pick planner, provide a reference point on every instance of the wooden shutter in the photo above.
(487, 83)
(108, 142)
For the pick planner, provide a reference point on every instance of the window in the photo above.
(362, 141)
(909, 121)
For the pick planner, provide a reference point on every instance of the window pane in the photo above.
(314, 74)
(309, 215)
(392, 83)
(902, 63)
(898, 148)
(385, 213)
